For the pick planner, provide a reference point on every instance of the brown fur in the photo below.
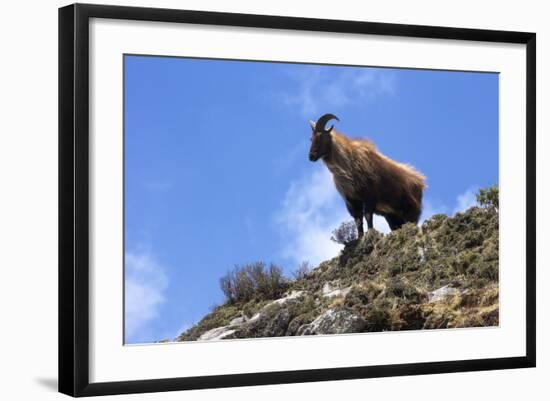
(381, 185)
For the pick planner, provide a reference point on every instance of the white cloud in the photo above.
(318, 91)
(430, 208)
(311, 210)
(145, 282)
(466, 200)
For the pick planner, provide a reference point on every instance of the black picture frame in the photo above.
(74, 198)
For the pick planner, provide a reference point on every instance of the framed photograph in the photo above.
(252, 199)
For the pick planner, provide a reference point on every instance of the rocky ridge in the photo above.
(443, 274)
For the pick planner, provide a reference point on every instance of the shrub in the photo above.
(346, 232)
(253, 281)
(405, 292)
(488, 197)
(357, 296)
(302, 271)
(378, 317)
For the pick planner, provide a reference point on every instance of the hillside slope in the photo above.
(443, 274)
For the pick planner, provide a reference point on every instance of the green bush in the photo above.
(302, 271)
(488, 197)
(345, 233)
(253, 281)
(378, 317)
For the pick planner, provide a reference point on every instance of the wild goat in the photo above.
(370, 182)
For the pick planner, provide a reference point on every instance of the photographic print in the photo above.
(273, 199)
(225, 212)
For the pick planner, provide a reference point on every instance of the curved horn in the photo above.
(323, 120)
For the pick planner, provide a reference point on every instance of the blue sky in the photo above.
(217, 174)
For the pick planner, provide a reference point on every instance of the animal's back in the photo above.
(375, 162)
(363, 173)
(398, 186)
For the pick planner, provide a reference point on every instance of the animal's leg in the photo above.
(395, 222)
(368, 217)
(355, 208)
(413, 215)
(359, 224)
(369, 206)
(390, 221)
(411, 209)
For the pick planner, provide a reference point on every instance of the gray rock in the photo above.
(334, 321)
(237, 321)
(218, 333)
(442, 293)
(273, 319)
(278, 324)
(292, 297)
(257, 316)
(330, 291)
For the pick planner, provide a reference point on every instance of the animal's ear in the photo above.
(312, 124)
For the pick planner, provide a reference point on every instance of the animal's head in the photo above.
(320, 137)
